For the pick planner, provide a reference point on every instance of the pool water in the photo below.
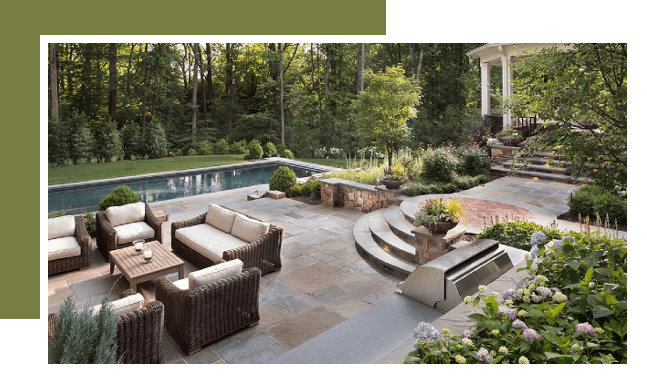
(86, 197)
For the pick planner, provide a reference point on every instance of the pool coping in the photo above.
(233, 166)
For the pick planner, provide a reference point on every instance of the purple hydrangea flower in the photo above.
(534, 252)
(425, 331)
(509, 294)
(537, 238)
(584, 328)
(535, 298)
(530, 335)
(483, 355)
(545, 292)
(467, 333)
(506, 311)
(519, 324)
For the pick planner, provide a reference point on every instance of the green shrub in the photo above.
(255, 150)
(90, 223)
(131, 139)
(313, 187)
(594, 201)
(473, 161)
(517, 234)
(239, 147)
(107, 141)
(439, 164)
(205, 148)
(424, 188)
(296, 190)
(192, 152)
(287, 154)
(81, 337)
(121, 195)
(155, 144)
(283, 179)
(222, 146)
(269, 150)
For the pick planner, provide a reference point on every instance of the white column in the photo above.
(505, 68)
(485, 88)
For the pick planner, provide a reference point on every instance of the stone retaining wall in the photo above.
(336, 192)
(502, 153)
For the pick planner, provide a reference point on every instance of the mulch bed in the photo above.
(311, 199)
(569, 216)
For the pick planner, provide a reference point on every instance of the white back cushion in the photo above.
(123, 305)
(220, 218)
(215, 273)
(62, 226)
(247, 229)
(128, 213)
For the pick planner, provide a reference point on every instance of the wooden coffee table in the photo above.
(131, 263)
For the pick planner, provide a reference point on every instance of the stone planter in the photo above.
(439, 227)
(510, 141)
(391, 184)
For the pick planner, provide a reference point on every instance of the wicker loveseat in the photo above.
(201, 309)
(221, 234)
(119, 226)
(69, 244)
(139, 331)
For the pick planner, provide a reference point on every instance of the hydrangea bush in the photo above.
(574, 310)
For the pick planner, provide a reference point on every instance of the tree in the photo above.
(385, 106)
(53, 81)
(584, 90)
(112, 87)
(194, 101)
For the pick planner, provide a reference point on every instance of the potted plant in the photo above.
(439, 216)
(510, 137)
(393, 177)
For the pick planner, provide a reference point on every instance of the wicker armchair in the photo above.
(195, 317)
(73, 263)
(139, 333)
(264, 253)
(107, 236)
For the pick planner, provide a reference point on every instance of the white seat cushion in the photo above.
(123, 305)
(208, 241)
(59, 248)
(128, 213)
(182, 284)
(215, 273)
(133, 231)
(247, 229)
(220, 218)
(62, 226)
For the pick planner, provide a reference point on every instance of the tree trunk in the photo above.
(112, 87)
(53, 81)
(281, 96)
(144, 98)
(327, 69)
(194, 101)
(204, 85)
(360, 67)
(209, 77)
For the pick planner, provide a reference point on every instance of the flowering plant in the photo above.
(436, 210)
(574, 310)
(395, 173)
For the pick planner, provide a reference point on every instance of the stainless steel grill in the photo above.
(444, 282)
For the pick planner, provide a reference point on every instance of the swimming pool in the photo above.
(81, 197)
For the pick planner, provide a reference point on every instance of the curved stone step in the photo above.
(387, 240)
(369, 249)
(398, 224)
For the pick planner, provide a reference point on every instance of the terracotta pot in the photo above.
(440, 227)
(391, 184)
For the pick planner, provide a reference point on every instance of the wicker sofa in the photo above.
(139, 331)
(119, 226)
(69, 244)
(221, 234)
(210, 303)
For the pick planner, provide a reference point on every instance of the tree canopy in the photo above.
(584, 90)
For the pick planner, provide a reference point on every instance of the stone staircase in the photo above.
(384, 237)
(542, 165)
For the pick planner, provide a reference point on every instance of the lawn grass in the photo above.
(98, 171)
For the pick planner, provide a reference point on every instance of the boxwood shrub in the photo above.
(283, 179)
(594, 201)
(121, 195)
